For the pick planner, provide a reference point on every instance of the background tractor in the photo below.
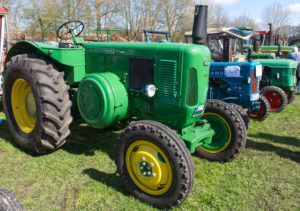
(278, 82)
(279, 73)
(232, 78)
(160, 87)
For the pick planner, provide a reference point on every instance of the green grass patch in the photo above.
(82, 174)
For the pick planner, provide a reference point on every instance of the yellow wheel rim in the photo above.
(23, 105)
(149, 167)
(222, 136)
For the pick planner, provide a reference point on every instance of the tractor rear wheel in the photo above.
(9, 202)
(230, 132)
(263, 112)
(36, 104)
(276, 97)
(242, 112)
(154, 164)
(290, 96)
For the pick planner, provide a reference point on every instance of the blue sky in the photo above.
(255, 8)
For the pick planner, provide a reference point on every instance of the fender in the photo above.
(69, 60)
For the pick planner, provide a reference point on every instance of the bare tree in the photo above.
(151, 14)
(244, 20)
(41, 16)
(217, 16)
(277, 15)
(173, 11)
(72, 9)
(102, 8)
(14, 15)
(130, 18)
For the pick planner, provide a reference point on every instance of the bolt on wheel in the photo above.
(149, 167)
(155, 164)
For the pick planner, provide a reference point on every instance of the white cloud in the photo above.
(294, 8)
(218, 2)
(258, 20)
(226, 2)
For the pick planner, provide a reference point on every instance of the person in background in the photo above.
(295, 55)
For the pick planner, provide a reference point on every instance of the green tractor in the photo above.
(160, 87)
(279, 82)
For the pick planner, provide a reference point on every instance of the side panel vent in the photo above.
(167, 78)
(93, 63)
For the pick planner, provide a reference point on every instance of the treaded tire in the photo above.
(276, 97)
(242, 112)
(235, 144)
(176, 152)
(52, 103)
(290, 96)
(9, 202)
(263, 111)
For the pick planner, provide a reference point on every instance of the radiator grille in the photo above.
(167, 78)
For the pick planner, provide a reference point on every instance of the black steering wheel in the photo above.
(64, 32)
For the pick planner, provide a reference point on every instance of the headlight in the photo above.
(277, 75)
(248, 80)
(150, 90)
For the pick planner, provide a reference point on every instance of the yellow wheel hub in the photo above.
(23, 105)
(149, 167)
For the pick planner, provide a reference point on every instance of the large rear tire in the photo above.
(230, 132)
(276, 97)
(36, 104)
(263, 112)
(154, 164)
(9, 202)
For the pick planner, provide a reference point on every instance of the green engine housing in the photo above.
(279, 72)
(180, 80)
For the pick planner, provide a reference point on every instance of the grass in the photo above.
(82, 174)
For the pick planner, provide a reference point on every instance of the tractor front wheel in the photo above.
(36, 104)
(9, 202)
(263, 112)
(230, 132)
(290, 96)
(154, 164)
(276, 97)
(242, 112)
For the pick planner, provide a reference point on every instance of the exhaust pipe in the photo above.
(199, 33)
(256, 46)
(270, 34)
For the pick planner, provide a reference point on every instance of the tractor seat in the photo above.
(63, 45)
(58, 44)
(53, 43)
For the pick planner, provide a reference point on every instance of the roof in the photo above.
(231, 31)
